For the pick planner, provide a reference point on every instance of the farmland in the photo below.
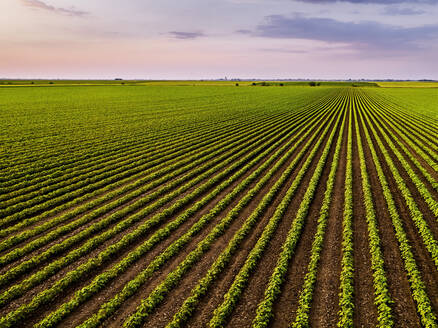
(215, 205)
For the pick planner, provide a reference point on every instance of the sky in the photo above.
(209, 39)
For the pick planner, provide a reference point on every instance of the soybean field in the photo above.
(218, 206)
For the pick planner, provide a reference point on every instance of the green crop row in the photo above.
(382, 298)
(174, 171)
(171, 144)
(402, 134)
(306, 294)
(273, 289)
(346, 294)
(89, 150)
(240, 281)
(142, 176)
(102, 177)
(93, 194)
(103, 279)
(424, 307)
(415, 117)
(156, 296)
(214, 157)
(74, 275)
(416, 215)
(424, 192)
(58, 178)
(420, 137)
(106, 152)
(119, 215)
(58, 183)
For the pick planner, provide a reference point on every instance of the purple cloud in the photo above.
(397, 11)
(37, 4)
(384, 2)
(186, 35)
(372, 35)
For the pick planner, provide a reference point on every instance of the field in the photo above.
(409, 84)
(211, 206)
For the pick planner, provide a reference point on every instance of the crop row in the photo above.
(234, 293)
(123, 213)
(106, 175)
(219, 265)
(402, 135)
(164, 160)
(156, 296)
(416, 215)
(101, 280)
(422, 189)
(419, 294)
(48, 183)
(93, 262)
(346, 293)
(382, 299)
(66, 172)
(160, 180)
(112, 146)
(306, 294)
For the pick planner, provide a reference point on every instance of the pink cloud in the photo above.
(37, 4)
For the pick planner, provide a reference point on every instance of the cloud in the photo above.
(288, 51)
(363, 35)
(37, 4)
(243, 31)
(384, 2)
(186, 35)
(397, 11)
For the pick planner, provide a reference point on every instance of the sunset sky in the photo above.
(196, 39)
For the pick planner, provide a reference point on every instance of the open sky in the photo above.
(195, 39)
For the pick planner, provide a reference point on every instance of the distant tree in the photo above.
(50, 82)
(281, 84)
(237, 84)
(318, 84)
(312, 84)
(254, 83)
(32, 82)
